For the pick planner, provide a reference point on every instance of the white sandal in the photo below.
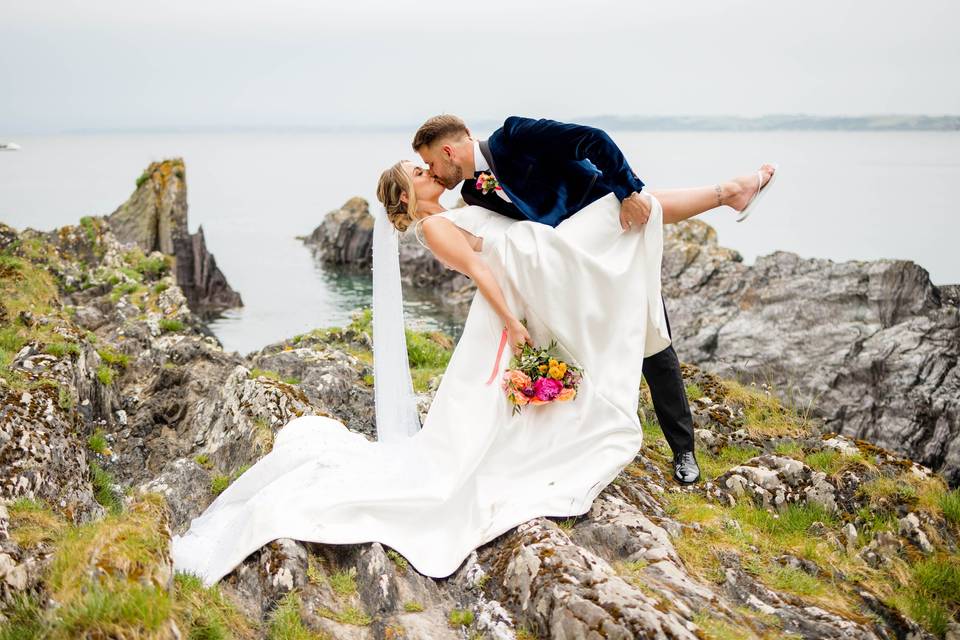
(747, 210)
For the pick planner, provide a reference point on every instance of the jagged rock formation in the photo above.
(345, 237)
(155, 218)
(136, 418)
(871, 347)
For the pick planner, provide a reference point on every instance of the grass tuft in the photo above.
(168, 325)
(98, 442)
(105, 375)
(104, 491)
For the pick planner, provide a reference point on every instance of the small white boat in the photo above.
(9, 146)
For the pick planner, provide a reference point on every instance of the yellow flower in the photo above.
(553, 362)
(555, 373)
(563, 369)
(542, 368)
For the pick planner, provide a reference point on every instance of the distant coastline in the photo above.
(782, 122)
(772, 122)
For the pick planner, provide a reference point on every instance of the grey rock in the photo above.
(872, 347)
(345, 237)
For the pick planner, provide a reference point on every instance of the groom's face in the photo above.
(441, 159)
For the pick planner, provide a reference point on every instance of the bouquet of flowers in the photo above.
(537, 377)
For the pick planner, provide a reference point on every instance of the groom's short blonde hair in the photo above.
(439, 128)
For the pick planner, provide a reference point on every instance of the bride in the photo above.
(474, 470)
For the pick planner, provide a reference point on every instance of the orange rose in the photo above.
(517, 379)
(566, 394)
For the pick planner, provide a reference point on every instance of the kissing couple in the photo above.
(565, 245)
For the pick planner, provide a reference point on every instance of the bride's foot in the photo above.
(738, 193)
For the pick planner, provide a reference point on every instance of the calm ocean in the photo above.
(840, 195)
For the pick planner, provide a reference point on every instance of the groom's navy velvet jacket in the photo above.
(550, 170)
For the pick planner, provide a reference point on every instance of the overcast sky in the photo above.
(128, 64)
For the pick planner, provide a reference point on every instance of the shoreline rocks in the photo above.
(155, 219)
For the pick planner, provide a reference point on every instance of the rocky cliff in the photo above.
(155, 219)
(872, 348)
(121, 419)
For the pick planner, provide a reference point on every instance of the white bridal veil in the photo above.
(396, 404)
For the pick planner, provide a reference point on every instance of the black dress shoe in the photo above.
(685, 468)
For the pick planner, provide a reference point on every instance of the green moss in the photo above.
(98, 442)
(347, 615)
(62, 348)
(143, 178)
(411, 606)
(398, 560)
(460, 618)
(64, 399)
(160, 287)
(105, 375)
(89, 227)
(203, 460)
(344, 583)
(694, 392)
(171, 325)
(314, 572)
(219, 482)
(152, 267)
(122, 289)
(113, 358)
(264, 373)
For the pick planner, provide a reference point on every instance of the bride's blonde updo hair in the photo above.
(393, 182)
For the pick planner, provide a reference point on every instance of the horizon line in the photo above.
(696, 122)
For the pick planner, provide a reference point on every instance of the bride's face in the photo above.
(424, 186)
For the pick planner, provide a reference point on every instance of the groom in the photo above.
(546, 171)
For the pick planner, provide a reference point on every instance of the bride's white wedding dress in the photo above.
(474, 470)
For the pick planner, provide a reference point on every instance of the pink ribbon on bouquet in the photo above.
(496, 363)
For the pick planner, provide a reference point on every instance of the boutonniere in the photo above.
(487, 183)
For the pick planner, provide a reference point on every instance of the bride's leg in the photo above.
(680, 204)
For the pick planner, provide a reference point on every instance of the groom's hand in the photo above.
(634, 210)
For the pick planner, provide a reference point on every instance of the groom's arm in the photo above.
(577, 142)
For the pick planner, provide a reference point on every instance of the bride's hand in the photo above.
(517, 335)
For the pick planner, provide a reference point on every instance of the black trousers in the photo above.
(662, 373)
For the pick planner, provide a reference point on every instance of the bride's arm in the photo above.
(450, 246)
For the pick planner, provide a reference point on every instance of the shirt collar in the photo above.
(479, 162)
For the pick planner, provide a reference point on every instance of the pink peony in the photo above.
(547, 389)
